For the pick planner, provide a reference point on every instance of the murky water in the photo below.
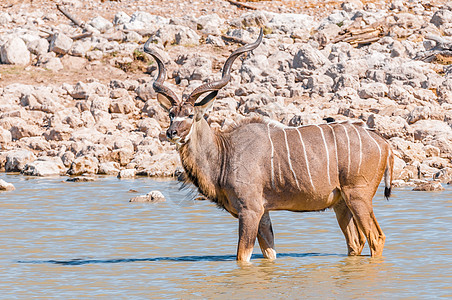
(72, 240)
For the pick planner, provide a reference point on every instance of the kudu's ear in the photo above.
(164, 102)
(204, 105)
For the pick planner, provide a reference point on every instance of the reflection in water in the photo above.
(71, 240)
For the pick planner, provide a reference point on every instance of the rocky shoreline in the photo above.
(388, 66)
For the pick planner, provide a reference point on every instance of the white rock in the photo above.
(109, 168)
(80, 48)
(424, 128)
(38, 46)
(51, 63)
(127, 173)
(101, 24)
(60, 43)
(6, 186)
(215, 40)
(288, 22)
(210, 24)
(74, 3)
(373, 90)
(16, 160)
(187, 37)
(153, 196)
(5, 18)
(84, 164)
(15, 52)
(121, 18)
(24, 130)
(45, 168)
(309, 58)
(164, 164)
(5, 136)
(442, 17)
(430, 186)
(147, 18)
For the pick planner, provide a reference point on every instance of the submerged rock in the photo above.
(6, 186)
(80, 179)
(431, 186)
(153, 196)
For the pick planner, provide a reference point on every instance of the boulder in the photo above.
(5, 18)
(50, 62)
(84, 165)
(444, 175)
(80, 179)
(150, 127)
(425, 128)
(60, 43)
(441, 17)
(38, 47)
(430, 186)
(121, 18)
(58, 133)
(124, 105)
(145, 91)
(108, 168)
(123, 156)
(164, 164)
(15, 52)
(6, 186)
(153, 196)
(210, 24)
(387, 126)
(16, 160)
(80, 48)
(127, 173)
(5, 137)
(409, 151)
(27, 130)
(373, 90)
(187, 37)
(176, 34)
(289, 22)
(101, 24)
(41, 167)
(308, 57)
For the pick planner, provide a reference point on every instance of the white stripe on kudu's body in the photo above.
(272, 154)
(348, 149)
(360, 148)
(327, 154)
(236, 168)
(306, 159)
(335, 146)
(289, 160)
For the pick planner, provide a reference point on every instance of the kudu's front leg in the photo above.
(265, 237)
(248, 228)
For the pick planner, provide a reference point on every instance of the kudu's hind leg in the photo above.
(360, 203)
(265, 237)
(353, 236)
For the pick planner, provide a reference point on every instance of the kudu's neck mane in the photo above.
(203, 158)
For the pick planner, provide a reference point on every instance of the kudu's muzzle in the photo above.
(171, 133)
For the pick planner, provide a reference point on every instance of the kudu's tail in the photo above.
(388, 175)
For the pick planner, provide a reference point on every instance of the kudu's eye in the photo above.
(191, 116)
(171, 115)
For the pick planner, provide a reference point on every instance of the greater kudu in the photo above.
(261, 165)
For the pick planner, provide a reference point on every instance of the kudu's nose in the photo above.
(171, 133)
